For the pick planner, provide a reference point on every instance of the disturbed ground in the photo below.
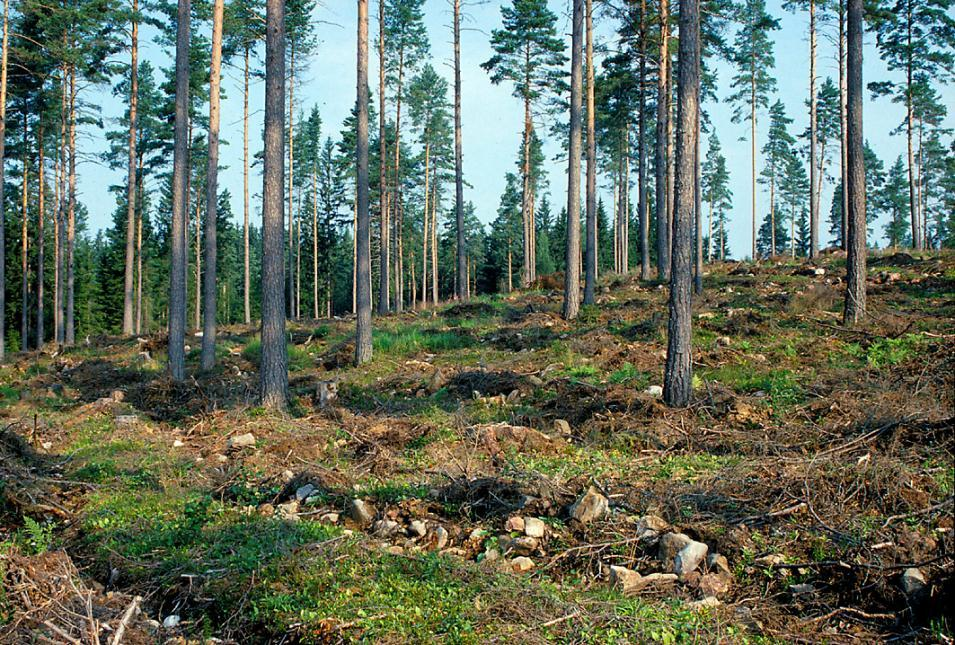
(499, 474)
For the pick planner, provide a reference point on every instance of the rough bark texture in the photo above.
(590, 274)
(273, 373)
(856, 249)
(462, 286)
(247, 278)
(210, 284)
(362, 236)
(842, 122)
(24, 241)
(385, 241)
(572, 279)
(3, 138)
(128, 326)
(663, 216)
(642, 152)
(41, 242)
(69, 333)
(678, 378)
(527, 276)
(813, 193)
(180, 177)
(698, 206)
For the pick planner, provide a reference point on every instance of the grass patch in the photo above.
(411, 340)
(298, 358)
(888, 351)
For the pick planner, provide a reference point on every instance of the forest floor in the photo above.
(816, 460)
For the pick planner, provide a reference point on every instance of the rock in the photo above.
(819, 271)
(326, 392)
(513, 397)
(772, 560)
(419, 528)
(670, 545)
(689, 558)
(534, 527)
(386, 528)
(718, 563)
(222, 459)
(288, 511)
(706, 603)
(626, 580)
(329, 518)
(523, 545)
(266, 510)
(490, 555)
(241, 441)
(477, 534)
(798, 590)
(515, 523)
(724, 341)
(117, 395)
(126, 420)
(394, 549)
(361, 512)
(437, 381)
(171, 621)
(715, 584)
(651, 526)
(660, 579)
(535, 381)
(562, 427)
(656, 391)
(302, 492)
(591, 506)
(177, 443)
(521, 564)
(913, 581)
(440, 538)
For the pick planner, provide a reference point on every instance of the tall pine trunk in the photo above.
(290, 275)
(384, 259)
(396, 193)
(3, 138)
(572, 277)
(590, 273)
(212, 185)
(70, 331)
(246, 275)
(843, 147)
(527, 275)
(362, 233)
(128, 325)
(315, 243)
(24, 247)
(663, 90)
(425, 229)
(678, 377)
(752, 144)
(273, 371)
(642, 151)
(814, 194)
(909, 133)
(139, 253)
(40, 238)
(855, 307)
(462, 290)
(698, 202)
(180, 186)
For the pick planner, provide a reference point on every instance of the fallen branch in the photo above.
(127, 616)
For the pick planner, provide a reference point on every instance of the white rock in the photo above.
(361, 511)
(171, 621)
(515, 523)
(562, 427)
(522, 563)
(689, 558)
(533, 527)
(419, 528)
(302, 493)
(440, 537)
(670, 545)
(386, 528)
(656, 391)
(913, 581)
(241, 441)
(626, 580)
(591, 506)
(177, 443)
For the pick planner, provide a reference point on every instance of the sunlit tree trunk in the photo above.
(814, 193)
(590, 273)
(70, 331)
(128, 325)
(40, 237)
(663, 90)
(678, 376)
(3, 134)
(572, 277)
(290, 275)
(362, 233)
(462, 291)
(642, 151)
(25, 248)
(855, 306)
(384, 284)
(212, 176)
(842, 123)
(139, 253)
(247, 269)
(425, 229)
(273, 371)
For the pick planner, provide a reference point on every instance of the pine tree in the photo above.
(893, 200)
(776, 151)
(363, 347)
(719, 197)
(753, 82)
(529, 54)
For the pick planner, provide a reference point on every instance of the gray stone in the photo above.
(386, 528)
(288, 511)
(522, 545)
(715, 584)
(656, 391)
(419, 528)
(515, 523)
(562, 427)
(171, 621)
(651, 525)
(591, 506)
(440, 538)
(913, 581)
(361, 512)
(718, 563)
(626, 580)
(670, 545)
(689, 558)
(798, 590)
(302, 493)
(534, 527)
(241, 441)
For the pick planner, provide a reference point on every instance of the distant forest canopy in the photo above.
(62, 281)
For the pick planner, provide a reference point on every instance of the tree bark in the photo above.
(642, 152)
(70, 331)
(678, 378)
(384, 283)
(752, 143)
(590, 274)
(315, 243)
(698, 203)
(3, 138)
(842, 123)
(139, 253)
(462, 287)
(814, 194)
(909, 133)
(663, 89)
(273, 371)
(527, 275)
(128, 326)
(40, 237)
(572, 277)
(855, 307)
(425, 229)
(290, 274)
(363, 346)
(212, 175)
(180, 178)
(247, 269)
(24, 248)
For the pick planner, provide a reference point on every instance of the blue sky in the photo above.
(492, 117)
